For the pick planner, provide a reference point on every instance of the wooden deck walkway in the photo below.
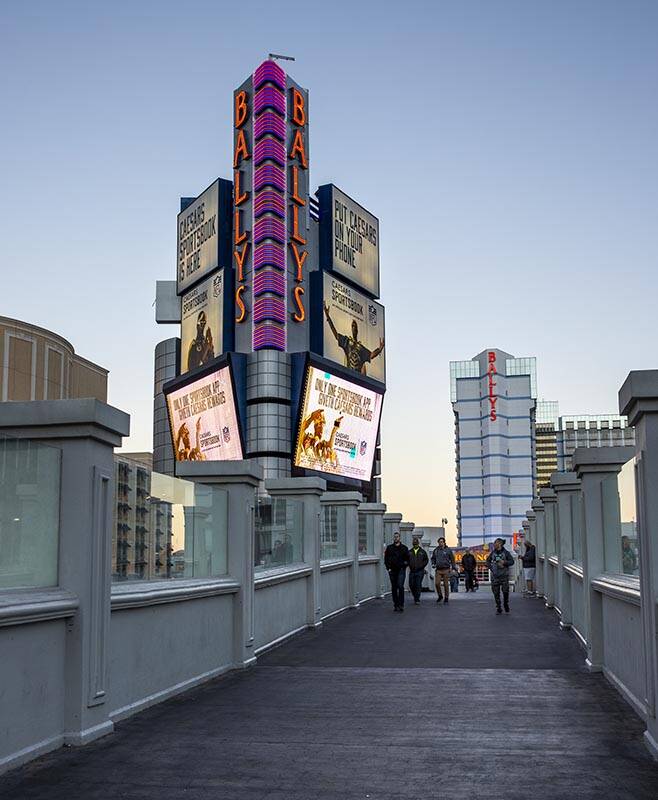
(441, 702)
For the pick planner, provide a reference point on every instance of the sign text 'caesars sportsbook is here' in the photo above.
(198, 240)
(338, 426)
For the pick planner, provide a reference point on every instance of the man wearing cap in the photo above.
(499, 561)
(418, 559)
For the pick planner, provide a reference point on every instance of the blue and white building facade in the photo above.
(493, 398)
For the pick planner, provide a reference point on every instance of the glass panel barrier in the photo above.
(279, 532)
(550, 530)
(165, 527)
(575, 509)
(333, 541)
(629, 544)
(366, 534)
(29, 513)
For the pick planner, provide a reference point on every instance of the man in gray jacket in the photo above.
(499, 561)
(443, 561)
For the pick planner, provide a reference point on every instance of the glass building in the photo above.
(546, 430)
(590, 430)
(493, 398)
(556, 437)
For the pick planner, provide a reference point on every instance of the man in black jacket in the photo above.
(396, 559)
(418, 559)
(468, 565)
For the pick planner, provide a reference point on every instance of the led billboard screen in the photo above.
(349, 239)
(202, 320)
(338, 426)
(353, 332)
(203, 419)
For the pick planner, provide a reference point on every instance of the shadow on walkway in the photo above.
(442, 701)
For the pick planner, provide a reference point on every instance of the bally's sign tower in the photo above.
(281, 350)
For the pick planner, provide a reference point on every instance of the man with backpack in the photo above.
(499, 561)
(529, 559)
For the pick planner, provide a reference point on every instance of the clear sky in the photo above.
(510, 150)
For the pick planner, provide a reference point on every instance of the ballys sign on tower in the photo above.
(271, 208)
(277, 295)
(491, 375)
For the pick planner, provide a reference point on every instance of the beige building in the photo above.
(40, 365)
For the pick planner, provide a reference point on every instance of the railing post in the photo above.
(548, 498)
(377, 512)
(598, 468)
(407, 535)
(540, 537)
(407, 532)
(567, 489)
(638, 399)
(86, 431)
(391, 525)
(308, 491)
(351, 502)
(531, 532)
(240, 479)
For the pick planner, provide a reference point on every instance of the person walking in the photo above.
(468, 566)
(628, 557)
(499, 561)
(529, 559)
(443, 561)
(396, 560)
(418, 560)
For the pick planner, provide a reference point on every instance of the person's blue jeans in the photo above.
(397, 577)
(416, 582)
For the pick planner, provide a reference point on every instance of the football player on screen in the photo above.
(357, 355)
(202, 348)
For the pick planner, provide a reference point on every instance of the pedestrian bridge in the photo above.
(242, 644)
(442, 701)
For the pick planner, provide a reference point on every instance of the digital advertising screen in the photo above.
(202, 320)
(349, 237)
(353, 329)
(203, 419)
(338, 426)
